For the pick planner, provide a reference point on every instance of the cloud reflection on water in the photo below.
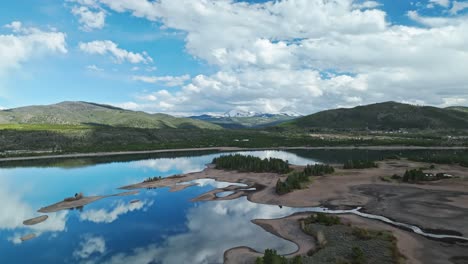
(214, 227)
(109, 216)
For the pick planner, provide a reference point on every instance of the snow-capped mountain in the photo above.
(241, 119)
(240, 113)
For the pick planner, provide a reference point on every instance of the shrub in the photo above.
(359, 164)
(323, 219)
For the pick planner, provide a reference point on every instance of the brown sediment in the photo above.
(430, 205)
(180, 187)
(35, 220)
(28, 237)
(240, 255)
(289, 229)
(64, 205)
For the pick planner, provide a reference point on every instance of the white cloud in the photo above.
(104, 216)
(453, 101)
(89, 246)
(444, 3)
(367, 5)
(458, 6)
(119, 55)
(165, 80)
(88, 19)
(94, 68)
(434, 21)
(313, 54)
(15, 211)
(201, 245)
(26, 43)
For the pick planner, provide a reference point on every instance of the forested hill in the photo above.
(79, 113)
(386, 116)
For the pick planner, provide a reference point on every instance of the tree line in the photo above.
(272, 257)
(295, 179)
(359, 164)
(251, 164)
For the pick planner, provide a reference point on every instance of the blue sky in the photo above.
(205, 56)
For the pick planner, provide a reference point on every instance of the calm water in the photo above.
(163, 227)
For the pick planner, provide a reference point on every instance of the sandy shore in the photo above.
(65, 205)
(35, 220)
(120, 153)
(435, 206)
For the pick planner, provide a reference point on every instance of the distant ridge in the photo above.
(239, 119)
(386, 116)
(78, 113)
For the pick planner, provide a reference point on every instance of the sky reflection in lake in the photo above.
(161, 227)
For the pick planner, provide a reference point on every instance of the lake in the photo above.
(163, 227)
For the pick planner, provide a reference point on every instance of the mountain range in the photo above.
(380, 116)
(386, 116)
(250, 119)
(79, 113)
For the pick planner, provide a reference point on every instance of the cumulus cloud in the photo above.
(444, 3)
(15, 211)
(27, 42)
(109, 216)
(307, 53)
(201, 245)
(90, 245)
(119, 55)
(367, 5)
(458, 6)
(165, 80)
(89, 19)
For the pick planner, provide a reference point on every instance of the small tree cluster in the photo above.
(272, 257)
(251, 164)
(359, 164)
(295, 179)
(323, 219)
(318, 170)
(414, 175)
(152, 179)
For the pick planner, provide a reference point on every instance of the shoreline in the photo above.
(428, 206)
(121, 153)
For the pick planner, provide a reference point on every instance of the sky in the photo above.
(188, 57)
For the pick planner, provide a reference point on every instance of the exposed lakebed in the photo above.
(163, 226)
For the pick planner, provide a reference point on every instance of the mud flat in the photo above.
(65, 205)
(436, 207)
(35, 220)
(27, 237)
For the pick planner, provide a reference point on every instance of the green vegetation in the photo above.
(251, 164)
(454, 157)
(293, 181)
(318, 170)
(357, 256)
(417, 175)
(322, 219)
(153, 179)
(80, 127)
(245, 122)
(345, 244)
(271, 257)
(359, 164)
(84, 113)
(384, 116)
(296, 179)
